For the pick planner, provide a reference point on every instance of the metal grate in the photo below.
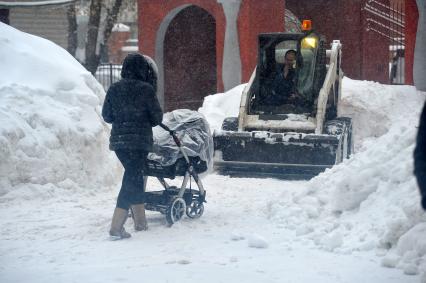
(387, 18)
(107, 74)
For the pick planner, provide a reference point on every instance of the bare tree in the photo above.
(92, 58)
(98, 31)
(72, 29)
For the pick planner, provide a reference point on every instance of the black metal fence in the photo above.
(108, 74)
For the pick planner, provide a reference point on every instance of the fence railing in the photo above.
(107, 74)
(387, 19)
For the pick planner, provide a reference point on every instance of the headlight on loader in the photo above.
(309, 42)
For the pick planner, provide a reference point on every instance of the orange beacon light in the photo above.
(306, 25)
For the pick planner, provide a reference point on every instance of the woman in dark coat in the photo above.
(420, 157)
(131, 106)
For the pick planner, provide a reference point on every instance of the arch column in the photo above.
(231, 62)
(419, 68)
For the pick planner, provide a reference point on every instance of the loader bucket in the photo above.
(267, 154)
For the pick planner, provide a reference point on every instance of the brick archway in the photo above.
(237, 25)
(159, 49)
(155, 18)
(189, 61)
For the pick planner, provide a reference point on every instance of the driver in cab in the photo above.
(283, 86)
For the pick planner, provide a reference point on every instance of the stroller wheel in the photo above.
(176, 210)
(195, 209)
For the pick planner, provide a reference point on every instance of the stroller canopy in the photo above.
(192, 130)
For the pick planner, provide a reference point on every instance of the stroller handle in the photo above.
(172, 133)
(164, 127)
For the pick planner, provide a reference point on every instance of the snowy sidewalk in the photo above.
(237, 239)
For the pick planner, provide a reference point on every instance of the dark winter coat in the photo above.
(283, 87)
(132, 106)
(420, 157)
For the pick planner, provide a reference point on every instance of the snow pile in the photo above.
(257, 241)
(51, 130)
(375, 107)
(53, 150)
(219, 106)
(371, 200)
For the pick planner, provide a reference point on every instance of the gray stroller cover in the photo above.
(193, 131)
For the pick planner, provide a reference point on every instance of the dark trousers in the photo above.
(132, 190)
(420, 157)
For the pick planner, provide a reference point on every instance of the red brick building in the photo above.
(365, 54)
(119, 36)
(204, 46)
(208, 46)
(411, 16)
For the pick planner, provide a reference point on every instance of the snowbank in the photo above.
(51, 130)
(219, 106)
(53, 145)
(376, 107)
(370, 201)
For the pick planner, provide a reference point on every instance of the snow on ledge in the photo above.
(130, 49)
(34, 3)
(120, 28)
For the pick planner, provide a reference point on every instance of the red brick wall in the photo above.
(375, 55)
(152, 13)
(411, 18)
(254, 17)
(116, 41)
(365, 55)
(257, 17)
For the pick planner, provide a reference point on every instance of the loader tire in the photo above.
(341, 126)
(350, 143)
(230, 124)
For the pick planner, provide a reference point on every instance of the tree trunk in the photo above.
(111, 19)
(92, 59)
(72, 29)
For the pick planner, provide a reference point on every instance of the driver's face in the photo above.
(290, 59)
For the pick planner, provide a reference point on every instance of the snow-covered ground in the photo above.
(358, 222)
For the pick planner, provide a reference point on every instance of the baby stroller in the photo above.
(174, 201)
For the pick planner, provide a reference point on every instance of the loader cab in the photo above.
(309, 70)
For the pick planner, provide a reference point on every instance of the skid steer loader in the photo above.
(296, 139)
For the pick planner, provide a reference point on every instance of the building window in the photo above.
(4, 16)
